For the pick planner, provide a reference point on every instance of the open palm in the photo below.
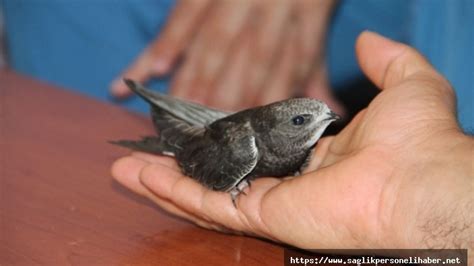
(363, 184)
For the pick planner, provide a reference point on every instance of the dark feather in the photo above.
(146, 144)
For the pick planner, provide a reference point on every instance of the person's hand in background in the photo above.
(398, 176)
(236, 54)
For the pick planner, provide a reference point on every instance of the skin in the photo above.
(400, 175)
(237, 54)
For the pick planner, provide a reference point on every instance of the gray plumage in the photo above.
(225, 151)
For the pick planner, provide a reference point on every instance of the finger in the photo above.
(181, 86)
(157, 159)
(319, 154)
(318, 84)
(179, 30)
(272, 22)
(127, 170)
(215, 207)
(218, 35)
(386, 62)
(174, 210)
(160, 56)
(280, 85)
(140, 71)
(230, 90)
(316, 203)
(311, 18)
(318, 87)
(172, 185)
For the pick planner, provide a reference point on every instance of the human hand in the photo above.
(236, 54)
(398, 176)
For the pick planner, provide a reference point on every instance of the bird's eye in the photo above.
(298, 120)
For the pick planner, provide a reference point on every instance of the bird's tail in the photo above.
(147, 144)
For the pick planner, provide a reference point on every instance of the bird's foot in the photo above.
(239, 189)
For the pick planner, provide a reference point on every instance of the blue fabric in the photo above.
(441, 30)
(388, 17)
(444, 33)
(84, 44)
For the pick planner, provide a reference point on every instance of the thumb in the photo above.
(387, 63)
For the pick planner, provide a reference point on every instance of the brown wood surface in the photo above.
(60, 205)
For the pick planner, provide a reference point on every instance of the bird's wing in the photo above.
(174, 132)
(221, 168)
(192, 113)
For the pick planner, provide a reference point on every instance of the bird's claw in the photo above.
(239, 189)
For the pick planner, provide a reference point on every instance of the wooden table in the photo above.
(60, 205)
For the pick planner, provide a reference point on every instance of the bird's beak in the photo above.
(333, 116)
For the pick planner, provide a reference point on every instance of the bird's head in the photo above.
(297, 122)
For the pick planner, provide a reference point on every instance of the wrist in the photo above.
(442, 193)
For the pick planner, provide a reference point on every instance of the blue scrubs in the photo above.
(444, 32)
(85, 44)
(82, 44)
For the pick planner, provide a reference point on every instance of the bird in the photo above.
(225, 151)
